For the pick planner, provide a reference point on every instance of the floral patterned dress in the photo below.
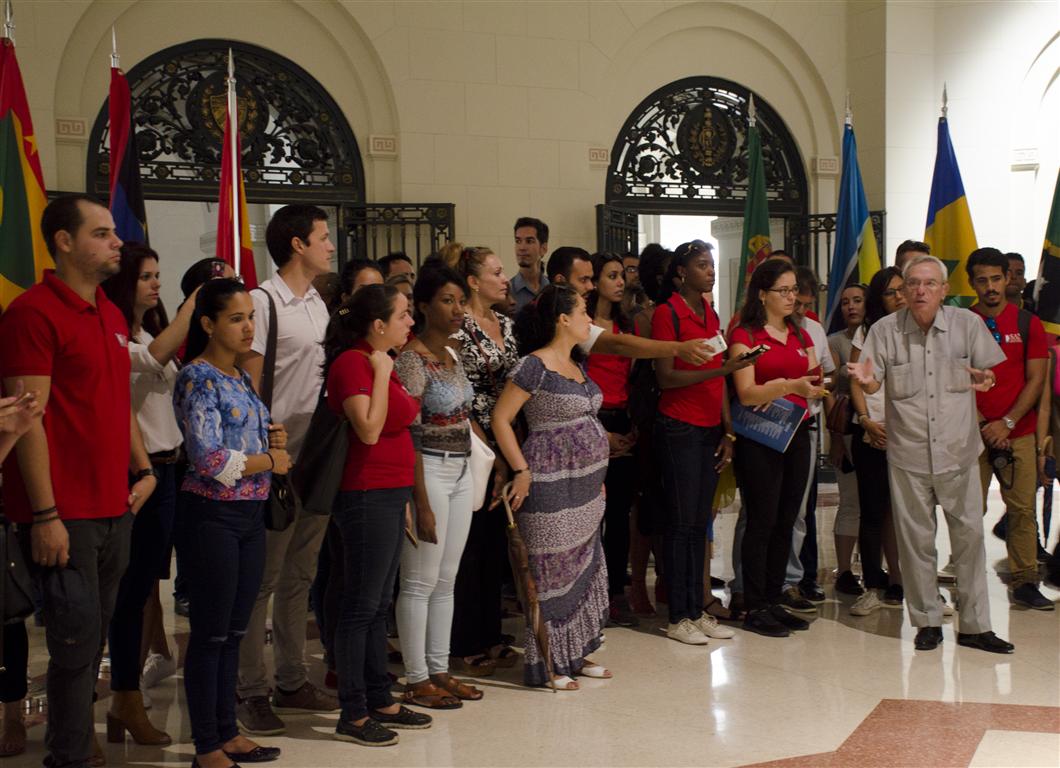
(486, 364)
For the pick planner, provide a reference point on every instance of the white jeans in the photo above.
(428, 572)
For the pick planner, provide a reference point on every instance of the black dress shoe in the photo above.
(779, 613)
(1030, 596)
(928, 638)
(403, 718)
(811, 591)
(985, 641)
(762, 622)
(256, 755)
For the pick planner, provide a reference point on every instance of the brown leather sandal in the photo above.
(459, 689)
(504, 656)
(429, 695)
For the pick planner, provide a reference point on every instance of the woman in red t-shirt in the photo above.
(773, 485)
(372, 506)
(611, 374)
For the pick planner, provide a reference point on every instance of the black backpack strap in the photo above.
(1023, 322)
(268, 370)
(676, 321)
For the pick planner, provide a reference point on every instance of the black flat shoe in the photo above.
(985, 641)
(762, 623)
(256, 755)
(927, 638)
(779, 613)
(403, 718)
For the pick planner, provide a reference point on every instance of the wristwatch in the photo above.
(149, 472)
(1010, 424)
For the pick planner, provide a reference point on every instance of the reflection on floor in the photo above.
(849, 692)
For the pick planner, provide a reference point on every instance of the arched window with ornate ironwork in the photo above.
(297, 144)
(684, 150)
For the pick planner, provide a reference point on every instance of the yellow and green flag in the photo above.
(756, 244)
(23, 255)
(1047, 286)
(949, 229)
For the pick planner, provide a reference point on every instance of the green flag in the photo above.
(755, 241)
(1047, 286)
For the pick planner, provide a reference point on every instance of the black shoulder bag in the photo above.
(283, 506)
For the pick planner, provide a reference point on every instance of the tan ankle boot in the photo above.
(127, 714)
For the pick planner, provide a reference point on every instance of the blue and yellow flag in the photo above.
(949, 229)
(856, 257)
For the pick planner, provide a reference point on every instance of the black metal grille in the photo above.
(296, 143)
(810, 240)
(684, 150)
(376, 229)
(617, 230)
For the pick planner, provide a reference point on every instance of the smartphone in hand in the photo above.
(754, 353)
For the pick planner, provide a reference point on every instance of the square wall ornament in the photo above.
(826, 166)
(599, 157)
(71, 129)
(382, 146)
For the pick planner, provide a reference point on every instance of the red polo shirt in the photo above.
(51, 331)
(611, 374)
(1011, 374)
(780, 361)
(390, 462)
(698, 404)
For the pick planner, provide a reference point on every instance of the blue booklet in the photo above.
(773, 426)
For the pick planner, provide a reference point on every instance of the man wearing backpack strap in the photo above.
(1007, 417)
(300, 246)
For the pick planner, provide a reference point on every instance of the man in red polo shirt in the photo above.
(67, 482)
(1008, 416)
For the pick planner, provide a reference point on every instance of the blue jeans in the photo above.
(226, 558)
(372, 525)
(152, 530)
(689, 479)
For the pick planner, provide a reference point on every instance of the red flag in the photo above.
(230, 190)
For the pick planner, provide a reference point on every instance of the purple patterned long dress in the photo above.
(560, 520)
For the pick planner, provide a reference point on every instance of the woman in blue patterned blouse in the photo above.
(232, 453)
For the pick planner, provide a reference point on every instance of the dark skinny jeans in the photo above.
(621, 483)
(689, 478)
(372, 524)
(772, 485)
(874, 500)
(225, 546)
(152, 530)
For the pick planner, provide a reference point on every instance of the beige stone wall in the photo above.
(496, 105)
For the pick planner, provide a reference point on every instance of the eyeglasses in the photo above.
(991, 323)
(785, 291)
(928, 285)
(632, 270)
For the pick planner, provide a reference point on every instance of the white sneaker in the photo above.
(709, 626)
(947, 573)
(686, 632)
(867, 603)
(947, 609)
(156, 669)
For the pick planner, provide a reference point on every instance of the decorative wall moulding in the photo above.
(826, 166)
(599, 157)
(382, 146)
(1025, 159)
(71, 129)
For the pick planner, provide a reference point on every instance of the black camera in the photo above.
(1000, 458)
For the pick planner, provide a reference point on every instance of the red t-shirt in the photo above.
(390, 462)
(51, 331)
(698, 404)
(780, 361)
(1011, 374)
(611, 374)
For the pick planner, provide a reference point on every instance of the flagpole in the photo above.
(849, 120)
(9, 22)
(945, 99)
(115, 59)
(232, 136)
(752, 119)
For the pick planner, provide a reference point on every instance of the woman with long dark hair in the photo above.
(153, 345)
(694, 435)
(432, 372)
(786, 369)
(611, 373)
(557, 491)
(372, 505)
(232, 452)
(869, 451)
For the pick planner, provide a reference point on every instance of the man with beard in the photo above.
(77, 477)
(531, 245)
(1008, 414)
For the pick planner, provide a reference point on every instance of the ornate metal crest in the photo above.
(684, 148)
(296, 142)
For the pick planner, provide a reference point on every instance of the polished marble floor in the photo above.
(849, 692)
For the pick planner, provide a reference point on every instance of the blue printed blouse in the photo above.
(223, 422)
